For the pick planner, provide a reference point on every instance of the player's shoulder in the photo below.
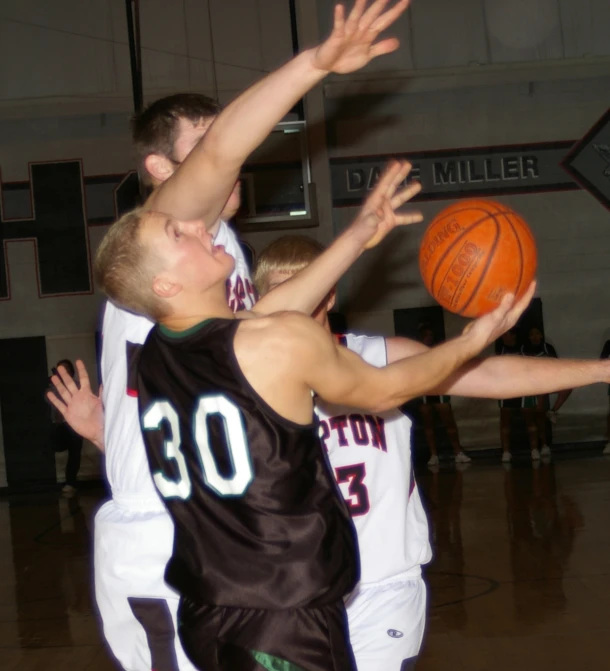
(286, 324)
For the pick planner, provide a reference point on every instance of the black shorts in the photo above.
(218, 638)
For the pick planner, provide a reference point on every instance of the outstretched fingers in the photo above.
(387, 18)
(384, 47)
(353, 19)
(55, 402)
(371, 15)
(67, 380)
(83, 376)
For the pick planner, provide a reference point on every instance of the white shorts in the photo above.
(386, 622)
(138, 609)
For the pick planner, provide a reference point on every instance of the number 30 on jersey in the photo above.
(235, 440)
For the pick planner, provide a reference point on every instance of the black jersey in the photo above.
(258, 520)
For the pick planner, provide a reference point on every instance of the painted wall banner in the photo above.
(461, 173)
(589, 161)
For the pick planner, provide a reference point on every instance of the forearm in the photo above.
(304, 291)
(423, 373)
(200, 187)
(512, 376)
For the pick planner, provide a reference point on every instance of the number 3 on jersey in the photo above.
(235, 440)
(357, 498)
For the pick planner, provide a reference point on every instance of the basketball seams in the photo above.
(521, 255)
(458, 238)
(488, 262)
(446, 253)
(457, 254)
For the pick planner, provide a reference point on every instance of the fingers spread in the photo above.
(409, 218)
(83, 376)
(354, 16)
(339, 20)
(67, 380)
(52, 398)
(406, 194)
(372, 13)
(384, 47)
(388, 18)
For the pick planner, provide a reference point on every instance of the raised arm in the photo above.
(378, 216)
(200, 187)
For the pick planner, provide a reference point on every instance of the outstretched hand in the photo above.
(79, 406)
(351, 45)
(488, 328)
(378, 216)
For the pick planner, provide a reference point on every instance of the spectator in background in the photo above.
(538, 408)
(63, 437)
(508, 406)
(605, 355)
(441, 405)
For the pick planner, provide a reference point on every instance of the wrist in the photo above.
(310, 57)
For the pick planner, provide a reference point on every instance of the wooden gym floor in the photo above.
(520, 579)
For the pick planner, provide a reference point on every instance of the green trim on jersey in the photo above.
(183, 334)
(272, 663)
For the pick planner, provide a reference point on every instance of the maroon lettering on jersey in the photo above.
(339, 424)
(357, 498)
(359, 432)
(240, 293)
(133, 352)
(377, 427)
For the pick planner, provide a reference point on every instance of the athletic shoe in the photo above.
(506, 457)
(535, 455)
(606, 449)
(433, 461)
(545, 451)
(461, 458)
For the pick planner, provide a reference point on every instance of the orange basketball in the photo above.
(473, 253)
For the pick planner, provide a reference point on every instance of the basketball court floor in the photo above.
(520, 579)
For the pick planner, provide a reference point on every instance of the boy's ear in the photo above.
(331, 300)
(163, 287)
(159, 167)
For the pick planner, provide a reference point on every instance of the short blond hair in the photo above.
(124, 269)
(290, 253)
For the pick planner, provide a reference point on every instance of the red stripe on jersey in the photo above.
(132, 392)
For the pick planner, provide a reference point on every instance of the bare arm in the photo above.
(200, 187)
(510, 376)
(79, 406)
(378, 216)
(339, 376)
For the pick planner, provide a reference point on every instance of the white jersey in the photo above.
(123, 334)
(371, 459)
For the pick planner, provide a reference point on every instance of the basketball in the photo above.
(473, 253)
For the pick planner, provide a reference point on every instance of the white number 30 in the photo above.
(235, 439)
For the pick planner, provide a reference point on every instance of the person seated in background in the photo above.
(509, 407)
(441, 406)
(63, 437)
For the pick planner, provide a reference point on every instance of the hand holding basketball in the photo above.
(351, 45)
(491, 326)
